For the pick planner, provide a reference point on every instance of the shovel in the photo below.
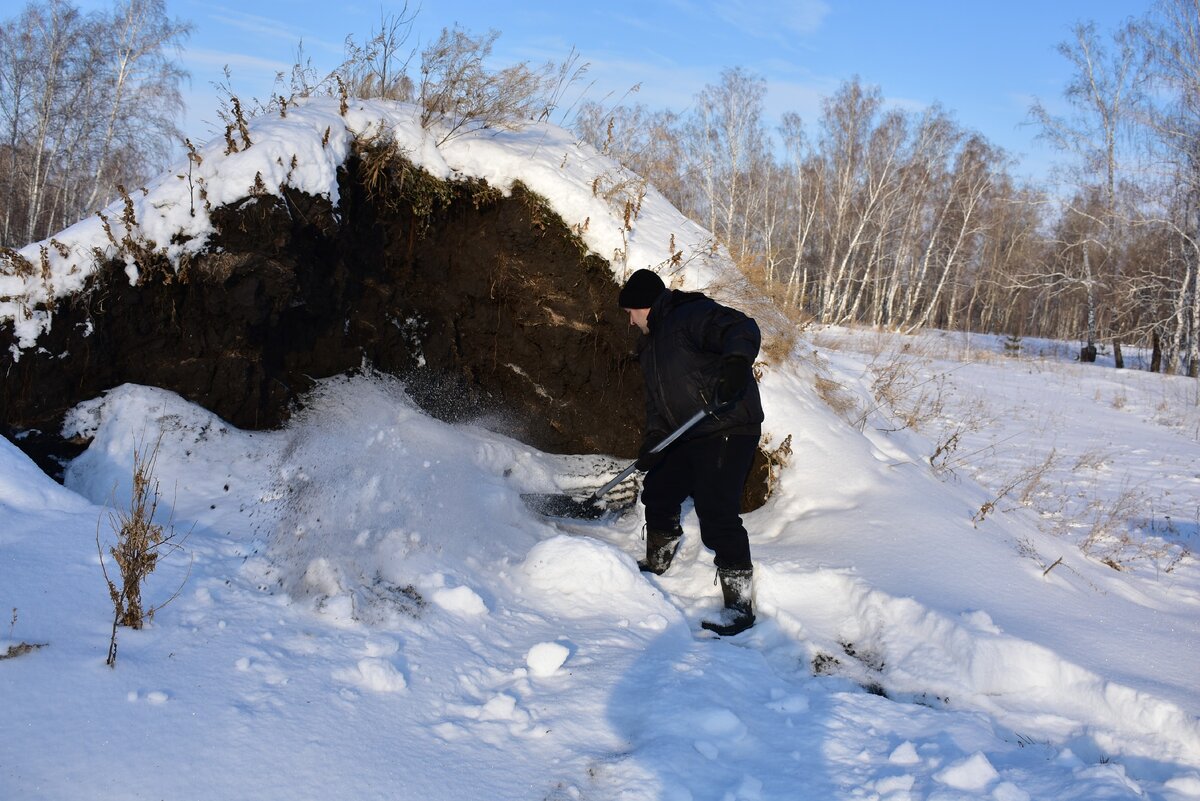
(552, 505)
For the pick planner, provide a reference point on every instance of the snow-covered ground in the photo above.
(366, 609)
(369, 611)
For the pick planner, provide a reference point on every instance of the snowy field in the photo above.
(975, 578)
(368, 610)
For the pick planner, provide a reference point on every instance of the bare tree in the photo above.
(1102, 93)
(86, 102)
(1171, 38)
(962, 223)
(726, 147)
(46, 72)
(802, 192)
(140, 90)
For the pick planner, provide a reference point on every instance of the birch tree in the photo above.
(1101, 94)
(86, 101)
(847, 122)
(802, 190)
(726, 145)
(139, 91)
(44, 72)
(1171, 38)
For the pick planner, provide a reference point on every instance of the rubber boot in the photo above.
(660, 550)
(738, 614)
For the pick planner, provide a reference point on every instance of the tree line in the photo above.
(867, 214)
(900, 219)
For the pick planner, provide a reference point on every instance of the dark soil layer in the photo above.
(487, 305)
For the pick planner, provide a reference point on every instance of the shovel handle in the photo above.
(674, 435)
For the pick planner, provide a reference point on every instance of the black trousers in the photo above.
(711, 471)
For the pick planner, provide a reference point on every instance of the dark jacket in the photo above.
(681, 359)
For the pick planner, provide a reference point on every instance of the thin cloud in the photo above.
(266, 26)
(775, 21)
(223, 58)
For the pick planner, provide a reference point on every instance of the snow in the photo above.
(364, 591)
(545, 658)
(366, 608)
(973, 773)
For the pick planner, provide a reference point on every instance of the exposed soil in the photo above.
(487, 305)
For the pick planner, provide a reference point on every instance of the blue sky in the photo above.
(983, 61)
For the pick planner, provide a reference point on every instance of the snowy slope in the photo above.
(367, 610)
(371, 612)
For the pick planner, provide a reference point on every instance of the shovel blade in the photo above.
(552, 505)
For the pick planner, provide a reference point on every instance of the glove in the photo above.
(647, 460)
(732, 383)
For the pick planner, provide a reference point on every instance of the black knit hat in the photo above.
(641, 290)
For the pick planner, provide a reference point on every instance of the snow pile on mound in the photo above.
(305, 150)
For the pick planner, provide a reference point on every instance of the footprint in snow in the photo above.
(719, 727)
(262, 665)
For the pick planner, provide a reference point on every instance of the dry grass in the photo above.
(777, 459)
(942, 458)
(378, 152)
(21, 648)
(1092, 459)
(458, 90)
(898, 386)
(140, 542)
(841, 400)
(1109, 524)
(1027, 484)
(1108, 536)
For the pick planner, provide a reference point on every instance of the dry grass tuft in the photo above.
(20, 649)
(835, 395)
(777, 459)
(1029, 482)
(140, 543)
(14, 650)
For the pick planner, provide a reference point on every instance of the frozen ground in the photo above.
(368, 610)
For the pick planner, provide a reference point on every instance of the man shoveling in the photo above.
(697, 355)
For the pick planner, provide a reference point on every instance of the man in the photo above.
(697, 354)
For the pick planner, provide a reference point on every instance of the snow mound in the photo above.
(584, 577)
(305, 151)
(974, 773)
(374, 674)
(25, 488)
